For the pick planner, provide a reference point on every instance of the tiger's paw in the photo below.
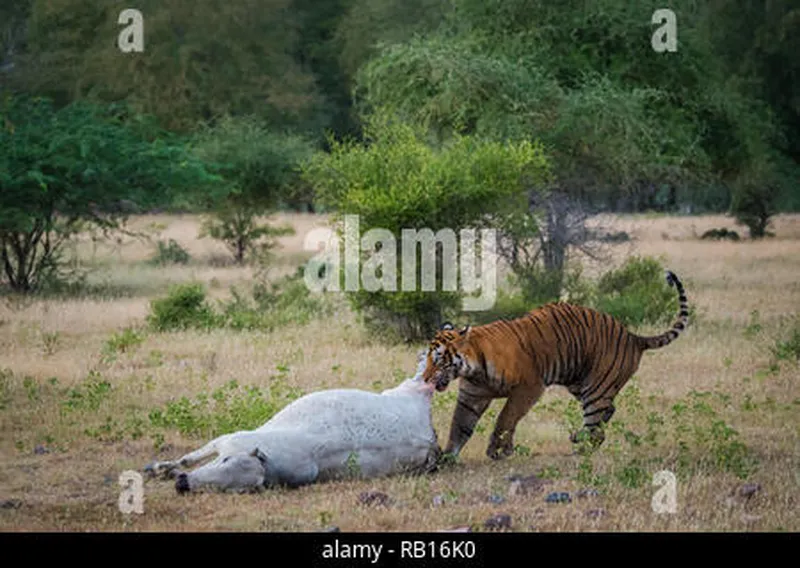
(499, 452)
(587, 440)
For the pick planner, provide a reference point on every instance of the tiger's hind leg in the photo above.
(597, 411)
(597, 390)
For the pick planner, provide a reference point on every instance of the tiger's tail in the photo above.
(656, 341)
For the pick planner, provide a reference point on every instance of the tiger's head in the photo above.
(445, 360)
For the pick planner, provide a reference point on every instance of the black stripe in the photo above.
(600, 383)
(684, 313)
(611, 385)
(463, 404)
(593, 412)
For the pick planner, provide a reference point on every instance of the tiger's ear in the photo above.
(446, 326)
(464, 331)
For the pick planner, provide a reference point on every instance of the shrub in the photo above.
(169, 253)
(398, 181)
(637, 293)
(122, 342)
(720, 235)
(789, 350)
(183, 307)
(273, 305)
(239, 230)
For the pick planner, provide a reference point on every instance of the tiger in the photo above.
(590, 353)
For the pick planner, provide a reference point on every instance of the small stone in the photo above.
(331, 530)
(462, 529)
(526, 485)
(596, 513)
(11, 504)
(496, 499)
(587, 492)
(108, 479)
(498, 522)
(558, 497)
(374, 498)
(748, 490)
(40, 450)
(438, 500)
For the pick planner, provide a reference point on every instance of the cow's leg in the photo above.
(168, 469)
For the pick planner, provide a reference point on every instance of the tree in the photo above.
(396, 181)
(202, 60)
(63, 169)
(261, 168)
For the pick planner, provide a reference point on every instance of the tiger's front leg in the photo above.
(471, 404)
(518, 404)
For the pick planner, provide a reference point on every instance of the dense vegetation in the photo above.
(230, 101)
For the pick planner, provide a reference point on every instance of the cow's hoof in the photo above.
(182, 484)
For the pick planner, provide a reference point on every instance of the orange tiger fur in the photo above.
(588, 352)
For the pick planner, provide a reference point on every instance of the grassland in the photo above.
(719, 407)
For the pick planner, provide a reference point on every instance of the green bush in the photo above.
(720, 235)
(273, 305)
(789, 349)
(122, 342)
(399, 181)
(183, 307)
(170, 253)
(637, 293)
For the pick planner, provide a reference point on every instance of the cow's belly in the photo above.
(372, 462)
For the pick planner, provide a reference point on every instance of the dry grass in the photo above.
(49, 347)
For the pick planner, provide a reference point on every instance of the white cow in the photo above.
(324, 435)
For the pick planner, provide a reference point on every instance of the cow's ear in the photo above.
(446, 326)
(465, 330)
(256, 453)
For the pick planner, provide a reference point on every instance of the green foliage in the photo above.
(50, 341)
(226, 409)
(89, 395)
(696, 423)
(259, 162)
(789, 349)
(6, 375)
(170, 252)
(397, 181)
(753, 327)
(122, 342)
(201, 60)
(754, 204)
(239, 230)
(636, 293)
(62, 170)
(183, 307)
(273, 305)
(260, 167)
